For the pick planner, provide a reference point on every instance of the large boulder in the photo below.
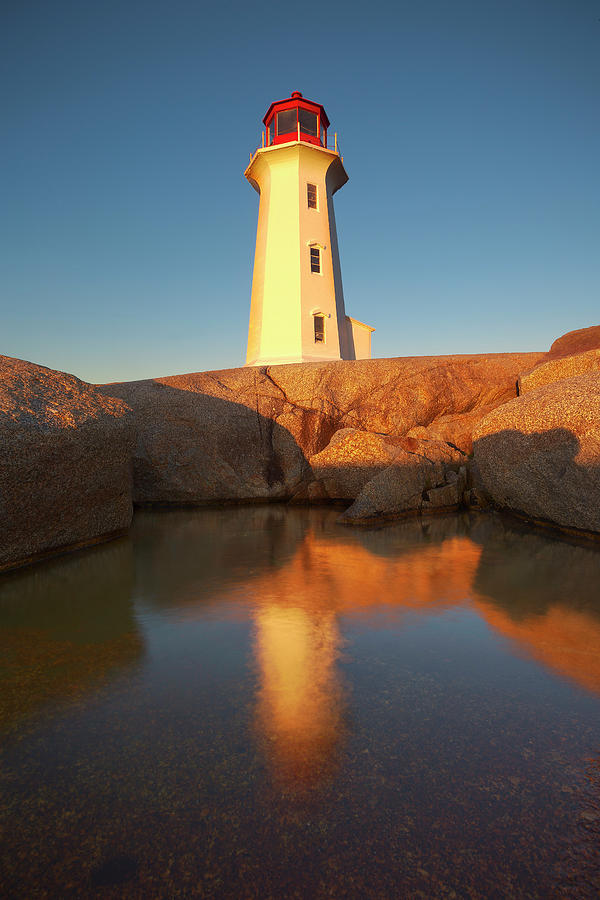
(211, 438)
(353, 458)
(539, 454)
(575, 342)
(400, 488)
(414, 483)
(349, 461)
(249, 433)
(65, 468)
(574, 353)
(558, 369)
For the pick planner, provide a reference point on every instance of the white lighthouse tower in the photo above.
(297, 309)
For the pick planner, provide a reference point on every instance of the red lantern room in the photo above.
(296, 119)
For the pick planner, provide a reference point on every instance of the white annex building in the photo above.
(297, 310)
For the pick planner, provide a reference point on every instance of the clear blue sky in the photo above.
(470, 132)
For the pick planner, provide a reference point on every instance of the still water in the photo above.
(262, 703)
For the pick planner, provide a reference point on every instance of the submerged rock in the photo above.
(65, 469)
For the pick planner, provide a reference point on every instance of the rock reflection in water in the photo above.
(189, 558)
(544, 595)
(66, 625)
(501, 572)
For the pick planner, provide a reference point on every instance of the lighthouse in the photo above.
(297, 309)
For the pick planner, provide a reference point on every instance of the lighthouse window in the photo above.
(311, 195)
(286, 121)
(308, 122)
(315, 259)
(319, 329)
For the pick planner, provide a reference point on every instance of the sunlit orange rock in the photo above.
(560, 369)
(249, 433)
(575, 342)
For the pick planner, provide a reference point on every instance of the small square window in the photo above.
(319, 329)
(315, 259)
(311, 195)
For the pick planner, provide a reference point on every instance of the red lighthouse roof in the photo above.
(296, 119)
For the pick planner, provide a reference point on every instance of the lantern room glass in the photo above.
(286, 122)
(308, 122)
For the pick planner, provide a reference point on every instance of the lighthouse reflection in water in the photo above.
(300, 703)
(303, 699)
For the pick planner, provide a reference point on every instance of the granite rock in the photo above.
(424, 477)
(451, 494)
(539, 454)
(399, 489)
(211, 437)
(560, 368)
(349, 461)
(353, 458)
(390, 434)
(575, 342)
(249, 433)
(65, 469)
(454, 429)
(391, 396)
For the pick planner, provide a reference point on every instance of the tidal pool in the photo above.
(259, 702)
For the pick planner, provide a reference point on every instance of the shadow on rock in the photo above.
(194, 448)
(552, 476)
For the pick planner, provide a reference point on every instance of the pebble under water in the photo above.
(259, 702)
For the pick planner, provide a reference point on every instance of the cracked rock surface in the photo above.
(258, 433)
